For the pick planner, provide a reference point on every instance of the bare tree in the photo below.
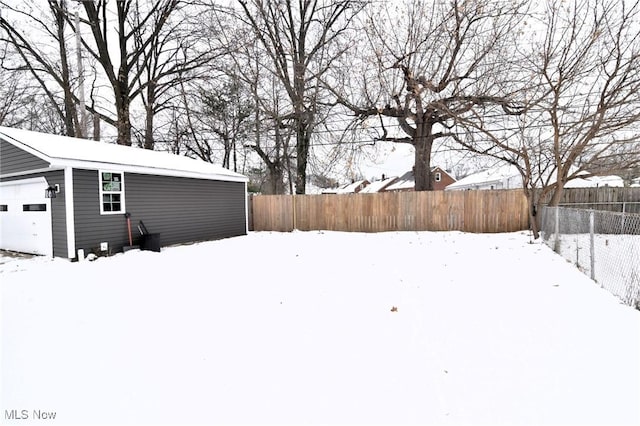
(301, 40)
(583, 100)
(427, 64)
(589, 68)
(138, 27)
(45, 63)
(272, 138)
(228, 114)
(44, 52)
(175, 55)
(217, 106)
(14, 95)
(249, 114)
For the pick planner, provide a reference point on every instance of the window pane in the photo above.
(112, 192)
(34, 207)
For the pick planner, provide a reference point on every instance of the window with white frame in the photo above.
(438, 177)
(111, 192)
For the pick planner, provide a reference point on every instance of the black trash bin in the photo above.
(150, 242)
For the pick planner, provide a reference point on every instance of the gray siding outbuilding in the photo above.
(182, 199)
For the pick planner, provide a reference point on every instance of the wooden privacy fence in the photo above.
(603, 195)
(469, 211)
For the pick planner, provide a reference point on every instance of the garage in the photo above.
(25, 217)
(102, 192)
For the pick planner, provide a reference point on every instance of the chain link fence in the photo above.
(603, 244)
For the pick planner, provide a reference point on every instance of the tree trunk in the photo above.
(148, 129)
(303, 139)
(124, 125)
(275, 179)
(96, 127)
(122, 91)
(227, 151)
(149, 116)
(70, 118)
(235, 155)
(557, 193)
(534, 211)
(122, 107)
(423, 142)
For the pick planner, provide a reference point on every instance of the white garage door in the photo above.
(25, 217)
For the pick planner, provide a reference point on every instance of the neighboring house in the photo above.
(502, 177)
(595, 182)
(329, 191)
(349, 188)
(92, 185)
(508, 177)
(440, 179)
(379, 185)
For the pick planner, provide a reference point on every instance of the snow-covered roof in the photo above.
(486, 177)
(595, 181)
(378, 185)
(352, 187)
(406, 181)
(62, 151)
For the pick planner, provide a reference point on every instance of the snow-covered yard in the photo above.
(300, 328)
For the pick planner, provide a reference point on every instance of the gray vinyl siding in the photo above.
(58, 214)
(92, 228)
(58, 210)
(14, 160)
(184, 210)
(180, 209)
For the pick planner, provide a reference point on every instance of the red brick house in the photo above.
(440, 179)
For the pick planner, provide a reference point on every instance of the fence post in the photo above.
(592, 245)
(624, 205)
(556, 233)
(294, 210)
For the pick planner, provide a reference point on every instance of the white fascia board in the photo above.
(96, 165)
(39, 179)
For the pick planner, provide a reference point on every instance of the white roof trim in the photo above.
(96, 165)
(61, 151)
(38, 179)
